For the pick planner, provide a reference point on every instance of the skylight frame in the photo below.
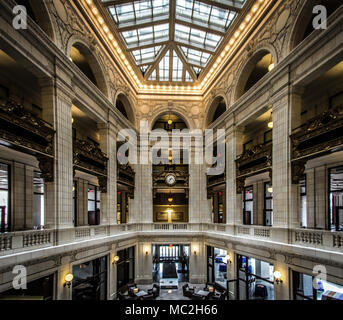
(193, 28)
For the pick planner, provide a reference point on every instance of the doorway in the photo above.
(170, 264)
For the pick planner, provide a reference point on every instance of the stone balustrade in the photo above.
(36, 239)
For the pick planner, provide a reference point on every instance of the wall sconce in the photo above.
(277, 277)
(115, 259)
(270, 189)
(68, 279)
(146, 250)
(195, 250)
(228, 258)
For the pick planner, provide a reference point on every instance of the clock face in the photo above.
(170, 179)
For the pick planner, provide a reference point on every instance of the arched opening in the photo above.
(217, 108)
(86, 62)
(260, 64)
(124, 106)
(25, 135)
(39, 14)
(170, 175)
(78, 56)
(305, 23)
(170, 121)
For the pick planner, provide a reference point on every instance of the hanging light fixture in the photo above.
(170, 121)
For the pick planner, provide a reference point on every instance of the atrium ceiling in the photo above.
(173, 41)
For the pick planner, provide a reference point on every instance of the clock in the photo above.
(170, 179)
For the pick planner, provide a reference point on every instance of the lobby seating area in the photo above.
(133, 292)
(209, 292)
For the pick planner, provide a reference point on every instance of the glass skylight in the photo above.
(196, 38)
(188, 78)
(196, 57)
(138, 11)
(198, 26)
(177, 68)
(153, 76)
(146, 55)
(204, 14)
(164, 68)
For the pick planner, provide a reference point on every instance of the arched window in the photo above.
(124, 106)
(84, 59)
(259, 65)
(38, 12)
(217, 108)
(305, 23)
(78, 56)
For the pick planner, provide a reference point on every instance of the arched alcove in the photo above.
(87, 63)
(257, 67)
(39, 13)
(169, 121)
(304, 23)
(125, 107)
(216, 109)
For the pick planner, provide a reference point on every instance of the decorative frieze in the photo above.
(89, 158)
(318, 136)
(126, 178)
(258, 159)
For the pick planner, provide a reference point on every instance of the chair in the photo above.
(155, 291)
(196, 296)
(218, 296)
(187, 290)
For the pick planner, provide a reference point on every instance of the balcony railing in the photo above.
(27, 240)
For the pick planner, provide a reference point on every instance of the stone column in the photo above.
(282, 290)
(231, 274)
(236, 149)
(142, 204)
(294, 195)
(63, 292)
(281, 172)
(57, 102)
(144, 263)
(259, 203)
(198, 208)
(310, 198)
(23, 197)
(321, 199)
(197, 267)
(112, 275)
(109, 200)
